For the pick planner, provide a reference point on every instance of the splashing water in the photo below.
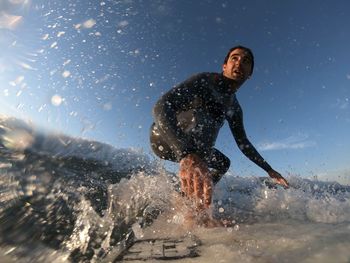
(64, 199)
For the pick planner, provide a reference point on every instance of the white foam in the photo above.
(314, 201)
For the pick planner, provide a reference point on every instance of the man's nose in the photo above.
(238, 61)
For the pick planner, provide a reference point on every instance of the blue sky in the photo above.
(94, 69)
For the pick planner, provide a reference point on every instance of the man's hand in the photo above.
(278, 178)
(196, 182)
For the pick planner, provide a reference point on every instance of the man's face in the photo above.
(238, 66)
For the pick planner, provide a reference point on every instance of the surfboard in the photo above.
(168, 238)
(161, 249)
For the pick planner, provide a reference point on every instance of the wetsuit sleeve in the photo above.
(179, 98)
(237, 129)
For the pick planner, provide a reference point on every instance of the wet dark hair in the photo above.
(246, 50)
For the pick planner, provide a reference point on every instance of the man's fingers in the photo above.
(282, 182)
(189, 178)
(278, 178)
(198, 186)
(185, 181)
(184, 184)
(198, 190)
(207, 186)
(196, 183)
(207, 192)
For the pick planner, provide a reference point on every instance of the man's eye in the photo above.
(246, 61)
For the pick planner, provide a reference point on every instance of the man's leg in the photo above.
(160, 146)
(187, 174)
(195, 177)
(219, 164)
(198, 180)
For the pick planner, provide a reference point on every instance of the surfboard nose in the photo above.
(162, 249)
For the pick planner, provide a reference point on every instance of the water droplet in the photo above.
(56, 100)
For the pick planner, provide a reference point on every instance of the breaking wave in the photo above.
(64, 198)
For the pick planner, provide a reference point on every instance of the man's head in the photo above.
(238, 64)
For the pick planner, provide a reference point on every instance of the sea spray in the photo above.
(69, 199)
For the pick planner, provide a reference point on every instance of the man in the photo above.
(187, 120)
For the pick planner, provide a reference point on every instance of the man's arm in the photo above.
(180, 98)
(247, 148)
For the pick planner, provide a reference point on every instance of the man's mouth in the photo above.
(238, 73)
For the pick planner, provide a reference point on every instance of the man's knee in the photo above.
(222, 167)
(159, 146)
(226, 164)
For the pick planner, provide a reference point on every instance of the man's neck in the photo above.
(231, 84)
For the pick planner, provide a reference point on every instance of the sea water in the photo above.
(67, 199)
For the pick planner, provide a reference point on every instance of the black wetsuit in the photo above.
(188, 119)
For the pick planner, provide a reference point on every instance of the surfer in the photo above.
(187, 120)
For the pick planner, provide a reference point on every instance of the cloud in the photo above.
(341, 176)
(295, 142)
(343, 104)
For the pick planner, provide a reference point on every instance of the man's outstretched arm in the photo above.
(247, 148)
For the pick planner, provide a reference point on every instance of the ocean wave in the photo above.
(64, 198)
(259, 200)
